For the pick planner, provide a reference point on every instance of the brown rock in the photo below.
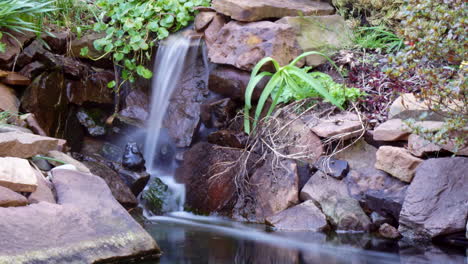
(14, 44)
(343, 125)
(228, 138)
(92, 90)
(303, 217)
(408, 106)
(24, 145)
(8, 100)
(66, 159)
(16, 79)
(203, 19)
(300, 141)
(418, 146)
(219, 113)
(32, 70)
(359, 155)
(32, 123)
(136, 108)
(86, 42)
(392, 130)
(31, 53)
(332, 195)
(57, 41)
(244, 45)
(10, 198)
(388, 231)
(213, 29)
(17, 175)
(87, 226)
(246, 10)
(43, 193)
(398, 162)
(436, 202)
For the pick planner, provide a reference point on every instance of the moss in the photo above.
(156, 196)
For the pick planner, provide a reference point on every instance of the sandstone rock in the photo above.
(388, 231)
(16, 79)
(244, 45)
(17, 175)
(213, 29)
(87, 226)
(119, 189)
(437, 201)
(32, 70)
(418, 146)
(43, 193)
(245, 10)
(359, 155)
(8, 100)
(398, 162)
(332, 195)
(10, 198)
(408, 106)
(24, 145)
(136, 108)
(228, 138)
(203, 19)
(325, 34)
(300, 141)
(67, 160)
(303, 217)
(272, 188)
(392, 130)
(30, 53)
(14, 44)
(343, 125)
(86, 42)
(377, 191)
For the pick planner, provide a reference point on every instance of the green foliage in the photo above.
(378, 38)
(373, 12)
(135, 26)
(289, 80)
(19, 15)
(156, 195)
(4, 116)
(435, 33)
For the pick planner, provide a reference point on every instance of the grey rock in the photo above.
(302, 217)
(10, 198)
(43, 193)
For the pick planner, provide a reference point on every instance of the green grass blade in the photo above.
(275, 80)
(248, 98)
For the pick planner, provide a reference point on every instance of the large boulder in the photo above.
(436, 202)
(248, 11)
(303, 217)
(17, 175)
(25, 145)
(87, 225)
(324, 34)
(10, 198)
(244, 45)
(398, 162)
(377, 191)
(341, 209)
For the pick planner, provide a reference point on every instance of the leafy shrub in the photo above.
(435, 33)
(287, 82)
(135, 25)
(373, 12)
(378, 38)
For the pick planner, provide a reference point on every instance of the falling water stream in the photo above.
(188, 238)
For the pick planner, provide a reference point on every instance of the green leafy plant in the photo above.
(133, 28)
(287, 81)
(378, 38)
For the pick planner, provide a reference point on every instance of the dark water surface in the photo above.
(188, 239)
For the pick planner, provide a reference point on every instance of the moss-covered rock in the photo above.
(156, 196)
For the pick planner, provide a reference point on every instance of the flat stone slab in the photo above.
(10, 198)
(87, 225)
(249, 11)
(16, 174)
(24, 145)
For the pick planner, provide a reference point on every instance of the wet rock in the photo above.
(203, 19)
(57, 41)
(437, 201)
(248, 11)
(332, 195)
(119, 189)
(92, 89)
(32, 70)
(418, 146)
(378, 220)
(10, 198)
(66, 159)
(16, 79)
(14, 44)
(213, 29)
(232, 82)
(343, 125)
(244, 45)
(303, 217)
(388, 231)
(93, 120)
(333, 167)
(359, 155)
(205, 194)
(429, 253)
(377, 191)
(135, 180)
(136, 108)
(133, 158)
(30, 53)
(228, 138)
(43, 193)
(398, 162)
(87, 226)
(24, 145)
(272, 188)
(8, 100)
(111, 152)
(17, 175)
(219, 113)
(325, 34)
(156, 196)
